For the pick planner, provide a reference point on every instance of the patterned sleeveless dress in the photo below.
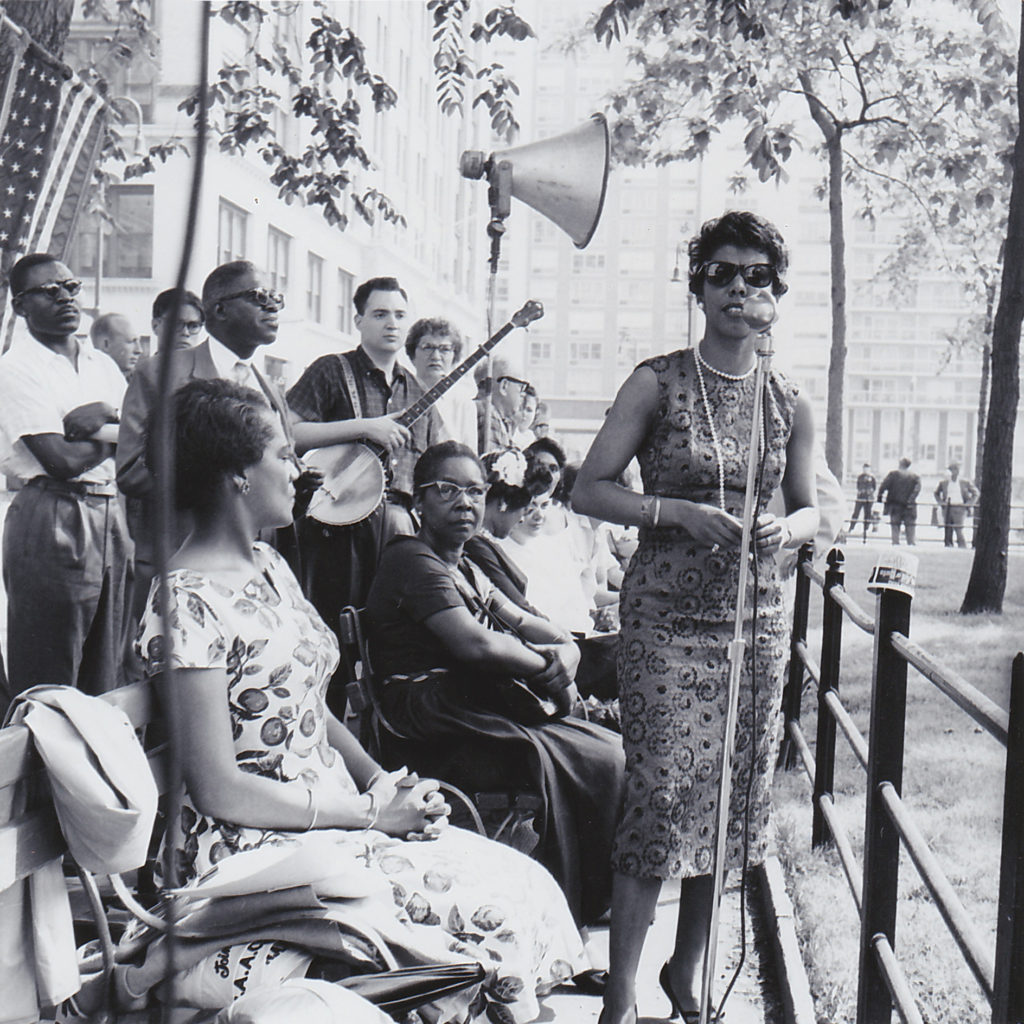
(677, 609)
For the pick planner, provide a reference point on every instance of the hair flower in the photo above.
(507, 466)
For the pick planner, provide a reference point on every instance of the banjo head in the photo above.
(353, 485)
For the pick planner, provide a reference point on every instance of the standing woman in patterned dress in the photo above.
(686, 417)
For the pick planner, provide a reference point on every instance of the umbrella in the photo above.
(403, 989)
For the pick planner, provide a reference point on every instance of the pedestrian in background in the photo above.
(866, 484)
(955, 495)
(899, 492)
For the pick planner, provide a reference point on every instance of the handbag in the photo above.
(512, 696)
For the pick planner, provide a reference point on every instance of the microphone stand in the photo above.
(759, 313)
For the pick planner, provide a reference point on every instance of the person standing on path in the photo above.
(956, 496)
(899, 491)
(866, 484)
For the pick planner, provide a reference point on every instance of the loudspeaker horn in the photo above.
(563, 178)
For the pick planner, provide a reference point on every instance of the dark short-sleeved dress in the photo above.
(677, 609)
(574, 765)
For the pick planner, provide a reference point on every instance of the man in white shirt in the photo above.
(241, 313)
(66, 547)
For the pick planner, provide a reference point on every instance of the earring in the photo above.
(242, 484)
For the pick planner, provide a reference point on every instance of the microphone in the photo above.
(759, 311)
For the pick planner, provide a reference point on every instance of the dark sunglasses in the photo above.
(263, 297)
(52, 289)
(757, 275)
(524, 384)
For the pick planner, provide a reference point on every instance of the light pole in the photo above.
(677, 278)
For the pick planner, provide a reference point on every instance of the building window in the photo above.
(231, 232)
(127, 236)
(279, 249)
(346, 288)
(584, 352)
(314, 287)
(540, 352)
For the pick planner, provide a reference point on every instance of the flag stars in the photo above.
(34, 173)
(19, 143)
(8, 212)
(47, 105)
(31, 195)
(10, 190)
(38, 150)
(15, 167)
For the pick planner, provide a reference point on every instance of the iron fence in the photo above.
(882, 985)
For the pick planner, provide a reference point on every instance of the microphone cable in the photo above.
(755, 579)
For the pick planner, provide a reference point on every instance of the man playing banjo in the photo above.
(356, 397)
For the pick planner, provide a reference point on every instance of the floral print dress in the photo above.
(455, 898)
(677, 609)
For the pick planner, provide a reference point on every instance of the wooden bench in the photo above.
(30, 835)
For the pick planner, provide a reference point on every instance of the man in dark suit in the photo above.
(241, 315)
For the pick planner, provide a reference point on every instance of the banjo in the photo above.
(354, 475)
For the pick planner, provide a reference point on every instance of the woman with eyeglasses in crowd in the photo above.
(442, 638)
(686, 417)
(434, 347)
(265, 763)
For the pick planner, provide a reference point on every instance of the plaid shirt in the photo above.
(320, 396)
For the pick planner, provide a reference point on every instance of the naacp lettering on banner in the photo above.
(894, 571)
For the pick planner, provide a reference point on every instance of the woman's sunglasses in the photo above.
(757, 275)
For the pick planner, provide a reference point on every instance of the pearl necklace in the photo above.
(714, 431)
(699, 362)
(702, 362)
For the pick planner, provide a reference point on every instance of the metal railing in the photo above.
(882, 986)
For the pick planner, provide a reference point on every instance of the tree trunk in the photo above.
(987, 584)
(837, 252)
(837, 353)
(983, 386)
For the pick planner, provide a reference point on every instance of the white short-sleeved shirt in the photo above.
(38, 388)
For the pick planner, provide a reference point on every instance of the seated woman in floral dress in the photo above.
(265, 762)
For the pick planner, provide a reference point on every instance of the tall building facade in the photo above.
(131, 253)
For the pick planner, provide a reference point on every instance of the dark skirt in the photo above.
(574, 766)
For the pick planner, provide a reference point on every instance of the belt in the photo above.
(74, 488)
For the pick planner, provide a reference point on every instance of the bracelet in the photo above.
(374, 777)
(311, 806)
(656, 515)
(646, 510)
(374, 812)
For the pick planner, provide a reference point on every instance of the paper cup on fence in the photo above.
(895, 570)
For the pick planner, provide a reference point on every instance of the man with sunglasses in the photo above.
(66, 546)
(241, 315)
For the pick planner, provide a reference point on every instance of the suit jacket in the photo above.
(133, 476)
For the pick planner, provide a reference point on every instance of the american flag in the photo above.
(51, 128)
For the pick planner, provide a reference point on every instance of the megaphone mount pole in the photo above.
(499, 197)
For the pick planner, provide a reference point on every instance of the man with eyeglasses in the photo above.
(241, 315)
(434, 347)
(506, 395)
(66, 546)
(188, 324)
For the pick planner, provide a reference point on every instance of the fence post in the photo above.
(1008, 997)
(831, 650)
(788, 757)
(881, 840)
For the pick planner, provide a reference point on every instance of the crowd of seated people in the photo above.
(480, 682)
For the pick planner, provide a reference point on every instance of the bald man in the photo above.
(113, 334)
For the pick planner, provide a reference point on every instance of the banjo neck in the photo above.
(530, 312)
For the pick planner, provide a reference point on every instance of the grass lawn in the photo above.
(952, 782)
